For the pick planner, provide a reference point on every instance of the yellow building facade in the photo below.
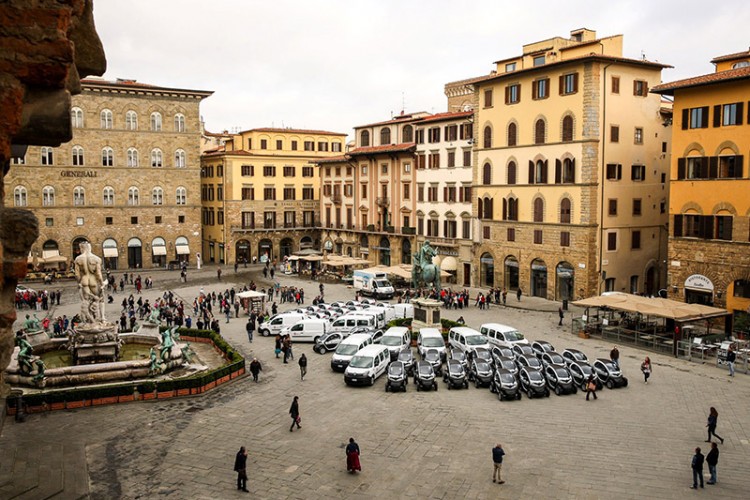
(260, 193)
(571, 154)
(709, 244)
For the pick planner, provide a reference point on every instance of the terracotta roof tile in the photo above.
(333, 159)
(293, 130)
(410, 117)
(450, 115)
(709, 79)
(729, 57)
(388, 148)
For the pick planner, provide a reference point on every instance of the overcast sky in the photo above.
(334, 64)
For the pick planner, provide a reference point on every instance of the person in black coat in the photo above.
(294, 413)
(240, 467)
(712, 459)
(697, 465)
(303, 366)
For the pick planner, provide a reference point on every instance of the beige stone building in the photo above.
(260, 193)
(128, 182)
(571, 158)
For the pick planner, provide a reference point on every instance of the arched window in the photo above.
(156, 121)
(46, 156)
(77, 154)
(364, 138)
(76, 117)
(512, 134)
(569, 171)
(133, 196)
(48, 196)
(487, 136)
(565, 211)
(408, 134)
(512, 174)
(487, 206)
(513, 209)
(108, 196)
(131, 120)
(79, 196)
(106, 118)
(540, 132)
(567, 129)
(540, 172)
(487, 174)
(156, 158)
(108, 157)
(179, 122)
(179, 158)
(132, 157)
(181, 196)
(538, 210)
(19, 197)
(157, 196)
(385, 136)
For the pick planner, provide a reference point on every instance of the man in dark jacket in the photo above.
(731, 358)
(240, 467)
(302, 366)
(697, 465)
(712, 459)
(497, 459)
(255, 368)
(614, 355)
(250, 328)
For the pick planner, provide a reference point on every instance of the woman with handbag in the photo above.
(646, 369)
(713, 417)
(352, 457)
(294, 413)
(591, 387)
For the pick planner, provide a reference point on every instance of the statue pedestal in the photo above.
(426, 314)
(94, 342)
(37, 337)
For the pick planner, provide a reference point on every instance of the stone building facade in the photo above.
(260, 193)
(128, 182)
(571, 154)
(709, 246)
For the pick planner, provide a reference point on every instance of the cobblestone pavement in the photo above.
(631, 443)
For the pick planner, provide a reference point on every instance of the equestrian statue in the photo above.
(423, 272)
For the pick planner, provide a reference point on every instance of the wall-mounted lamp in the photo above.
(718, 294)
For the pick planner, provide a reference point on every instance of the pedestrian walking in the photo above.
(712, 459)
(561, 313)
(294, 413)
(505, 295)
(591, 387)
(697, 465)
(255, 369)
(277, 350)
(250, 328)
(497, 459)
(236, 265)
(731, 357)
(646, 369)
(240, 467)
(352, 457)
(302, 366)
(713, 417)
(614, 355)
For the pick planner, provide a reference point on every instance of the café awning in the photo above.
(182, 250)
(110, 252)
(653, 306)
(160, 250)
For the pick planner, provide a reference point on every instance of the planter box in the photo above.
(165, 394)
(223, 379)
(57, 406)
(209, 386)
(584, 335)
(10, 411)
(183, 392)
(104, 401)
(126, 399)
(196, 390)
(36, 409)
(70, 405)
(148, 395)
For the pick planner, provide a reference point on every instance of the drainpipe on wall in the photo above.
(603, 172)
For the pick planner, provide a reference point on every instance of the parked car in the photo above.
(580, 371)
(522, 350)
(466, 339)
(430, 338)
(367, 365)
(505, 352)
(505, 385)
(532, 382)
(482, 354)
(540, 347)
(528, 362)
(396, 339)
(455, 376)
(407, 358)
(460, 356)
(502, 335)
(280, 321)
(328, 342)
(432, 356)
(504, 363)
(397, 377)
(574, 355)
(559, 379)
(347, 348)
(609, 373)
(424, 376)
(480, 372)
(552, 358)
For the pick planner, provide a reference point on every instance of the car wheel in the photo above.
(434, 384)
(492, 388)
(449, 387)
(557, 390)
(624, 382)
(418, 389)
(265, 333)
(372, 381)
(500, 396)
(575, 390)
(386, 387)
(529, 394)
(518, 396)
(404, 388)
(476, 383)
(546, 393)
(609, 384)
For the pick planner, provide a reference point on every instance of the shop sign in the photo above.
(699, 282)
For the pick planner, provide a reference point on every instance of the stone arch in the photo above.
(569, 215)
(487, 134)
(724, 206)
(693, 146)
(691, 205)
(567, 114)
(538, 207)
(540, 132)
(511, 133)
(727, 145)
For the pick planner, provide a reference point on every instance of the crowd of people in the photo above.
(40, 301)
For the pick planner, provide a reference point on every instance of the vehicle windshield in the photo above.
(556, 359)
(508, 363)
(475, 340)
(347, 349)
(405, 356)
(483, 367)
(390, 340)
(361, 362)
(482, 354)
(513, 336)
(456, 368)
(507, 378)
(535, 375)
(458, 355)
(562, 372)
(609, 366)
(395, 369)
(431, 355)
(425, 369)
(525, 349)
(433, 342)
(382, 283)
(533, 361)
(586, 369)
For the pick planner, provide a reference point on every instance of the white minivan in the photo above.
(367, 365)
(347, 348)
(307, 330)
(430, 338)
(502, 335)
(348, 322)
(396, 339)
(466, 339)
(278, 322)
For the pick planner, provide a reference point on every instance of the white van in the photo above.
(376, 312)
(307, 330)
(502, 335)
(389, 312)
(430, 338)
(396, 339)
(348, 348)
(348, 322)
(278, 322)
(403, 310)
(466, 339)
(367, 365)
